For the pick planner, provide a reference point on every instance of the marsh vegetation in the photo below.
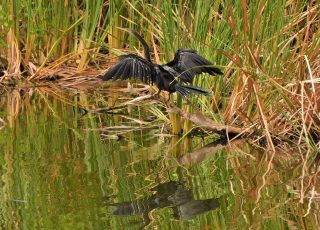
(60, 124)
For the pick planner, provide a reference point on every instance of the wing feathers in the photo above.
(188, 63)
(131, 67)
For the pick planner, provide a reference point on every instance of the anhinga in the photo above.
(185, 65)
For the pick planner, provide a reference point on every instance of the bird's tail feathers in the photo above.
(186, 90)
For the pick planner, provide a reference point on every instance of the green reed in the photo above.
(266, 49)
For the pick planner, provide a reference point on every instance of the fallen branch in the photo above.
(197, 118)
(121, 106)
(204, 122)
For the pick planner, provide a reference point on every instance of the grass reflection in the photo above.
(57, 165)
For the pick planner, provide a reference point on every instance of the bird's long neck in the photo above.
(144, 44)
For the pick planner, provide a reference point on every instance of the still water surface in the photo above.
(64, 169)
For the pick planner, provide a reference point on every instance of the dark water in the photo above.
(64, 169)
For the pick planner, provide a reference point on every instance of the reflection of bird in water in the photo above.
(193, 208)
(185, 65)
(172, 194)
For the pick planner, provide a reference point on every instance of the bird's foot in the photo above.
(155, 95)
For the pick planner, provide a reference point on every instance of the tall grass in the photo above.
(269, 51)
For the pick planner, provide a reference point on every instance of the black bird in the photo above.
(185, 65)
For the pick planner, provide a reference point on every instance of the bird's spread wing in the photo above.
(188, 63)
(131, 67)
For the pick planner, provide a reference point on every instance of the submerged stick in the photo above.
(203, 153)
